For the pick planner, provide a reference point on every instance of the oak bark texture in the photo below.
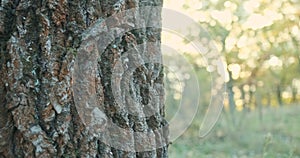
(38, 43)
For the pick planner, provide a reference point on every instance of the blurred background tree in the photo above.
(259, 40)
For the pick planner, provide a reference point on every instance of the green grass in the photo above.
(276, 135)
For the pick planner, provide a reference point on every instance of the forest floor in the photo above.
(272, 133)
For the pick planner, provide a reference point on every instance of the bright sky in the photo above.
(174, 39)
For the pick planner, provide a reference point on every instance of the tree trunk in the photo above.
(278, 94)
(40, 42)
(243, 97)
(294, 94)
(232, 106)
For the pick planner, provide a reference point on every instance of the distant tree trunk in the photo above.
(294, 94)
(232, 106)
(250, 102)
(278, 94)
(243, 97)
(38, 43)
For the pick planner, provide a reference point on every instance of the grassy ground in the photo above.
(274, 135)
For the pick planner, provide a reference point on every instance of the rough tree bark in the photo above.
(38, 43)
